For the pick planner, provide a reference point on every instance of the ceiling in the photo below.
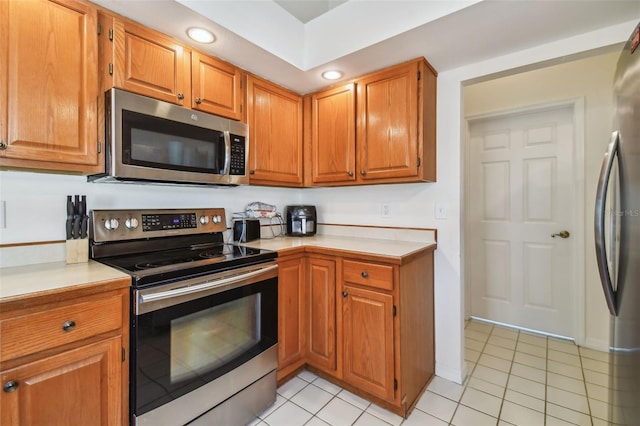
(290, 42)
(306, 10)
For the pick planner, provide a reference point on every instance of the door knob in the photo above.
(561, 234)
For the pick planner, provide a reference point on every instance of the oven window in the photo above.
(208, 339)
(157, 142)
(179, 348)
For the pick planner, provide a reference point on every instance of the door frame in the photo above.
(577, 104)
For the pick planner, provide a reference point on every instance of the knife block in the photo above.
(78, 250)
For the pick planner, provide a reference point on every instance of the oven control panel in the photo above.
(118, 225)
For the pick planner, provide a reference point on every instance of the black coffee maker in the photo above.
(301, 220)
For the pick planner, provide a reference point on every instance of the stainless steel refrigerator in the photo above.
(617, 235)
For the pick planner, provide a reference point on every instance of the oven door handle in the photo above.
(208, 285)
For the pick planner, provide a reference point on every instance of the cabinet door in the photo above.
(216, 87)
(275, 141)
(48, 84)
(333, 137)
(367, 321)
(149, 63)
(78, 387)
(321, 313)
(291, 313)
(387, 104)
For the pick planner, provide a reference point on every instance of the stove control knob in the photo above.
(131, 223)
(111, 224)
(204, 220)
(217, 219)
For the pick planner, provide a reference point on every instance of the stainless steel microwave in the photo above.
(152, 141)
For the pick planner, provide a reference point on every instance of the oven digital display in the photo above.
(160, 222)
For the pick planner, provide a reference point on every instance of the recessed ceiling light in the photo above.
(200, 35)
(331, 75)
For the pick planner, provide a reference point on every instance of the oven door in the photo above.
(197, 342)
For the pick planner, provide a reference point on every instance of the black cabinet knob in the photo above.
(345, 294)
(10, 386)
(364, 274)
(69, 325)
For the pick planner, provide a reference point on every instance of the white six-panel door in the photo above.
(521, 193)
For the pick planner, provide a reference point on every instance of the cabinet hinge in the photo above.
(419, 162)
(99, 147)
(110, 34)
(99, 28)
(419, 75)
(395, 311)
(110, 68)
(124, 355)
(395, 385)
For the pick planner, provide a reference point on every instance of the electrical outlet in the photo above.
(442, 211)
(385, 210)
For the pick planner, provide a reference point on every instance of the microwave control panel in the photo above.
(238, 156)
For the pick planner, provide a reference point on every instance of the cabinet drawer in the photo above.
(369, 274)
(49, 328)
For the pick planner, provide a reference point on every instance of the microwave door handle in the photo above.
(599, 225)
(227, 152)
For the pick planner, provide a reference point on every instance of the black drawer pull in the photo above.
(364, 274)
(69, 325)
(10, 386)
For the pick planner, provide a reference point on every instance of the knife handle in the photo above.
(76, 227)
(82, 206)
(83, 226)
(68, 228)
(70, 207)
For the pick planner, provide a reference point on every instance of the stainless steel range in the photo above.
(203, 315)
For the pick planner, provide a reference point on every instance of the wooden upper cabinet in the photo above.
(216, 86)
(390, 117)
(274, 116)
(380, 128)
(333, 135)
(48, 85)
(138, 59)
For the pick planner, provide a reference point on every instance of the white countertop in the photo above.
(380, 247)
(48, 277)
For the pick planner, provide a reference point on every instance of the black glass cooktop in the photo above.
(158, 266)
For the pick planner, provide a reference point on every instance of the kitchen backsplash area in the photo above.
(35, 209)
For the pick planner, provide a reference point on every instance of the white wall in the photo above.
(592, 79)
(36, 206)
(36, 202)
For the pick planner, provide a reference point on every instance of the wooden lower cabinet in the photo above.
(321, 313)
(369, 324)
(78, 387)
(64, 357)
(367, 330)
(291, 314)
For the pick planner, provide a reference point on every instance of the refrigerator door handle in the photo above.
(599, 225)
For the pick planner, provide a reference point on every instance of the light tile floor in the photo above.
(515, 378)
